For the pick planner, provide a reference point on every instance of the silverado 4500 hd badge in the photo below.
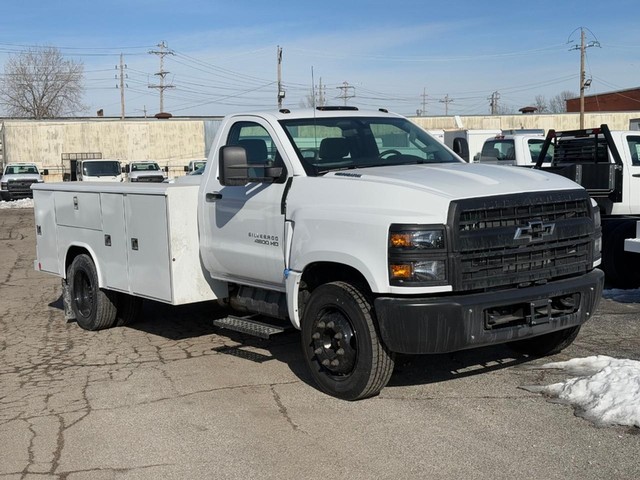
(265, 239)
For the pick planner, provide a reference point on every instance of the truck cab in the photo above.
(144, 171)
(194, 165)
(522, 149)
(99, 170)
(16, 180)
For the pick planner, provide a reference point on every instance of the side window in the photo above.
(535, 146)
(634, 149)
(260, 147)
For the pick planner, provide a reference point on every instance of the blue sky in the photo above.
(390, 52)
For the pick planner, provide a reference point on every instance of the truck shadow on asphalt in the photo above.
(179, 323)
(190, 321)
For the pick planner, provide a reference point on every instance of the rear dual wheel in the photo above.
(95, 308)
(341, 345)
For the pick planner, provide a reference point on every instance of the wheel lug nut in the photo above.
(321, 325)
(340, 351)
(338, 336)
(316, 336)
(331, 325)
(335, 363)
(318, 351)
(325, 362)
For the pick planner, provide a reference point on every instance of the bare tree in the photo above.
(558, 103)
(541, 104)
(40, 83)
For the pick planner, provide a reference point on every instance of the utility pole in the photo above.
(122, 67)
(162, 52)
(424, 96)
(446, 100)
(493, 104)
(583, 47)
(281, 92)
(321, 94)
(346, 88)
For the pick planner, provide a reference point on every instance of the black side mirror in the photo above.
(166, 168)
(233, 169)
(45, 172)
(461, 147)
(126, 169)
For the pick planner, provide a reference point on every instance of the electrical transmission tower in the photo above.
(162, 52)
(346, 89)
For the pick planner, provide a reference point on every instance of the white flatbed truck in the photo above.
(305, 218)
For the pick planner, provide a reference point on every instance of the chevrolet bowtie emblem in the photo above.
(535, 231)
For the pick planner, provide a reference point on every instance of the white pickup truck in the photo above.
(306, 219)
(522, 149)
(144, 171)
(16, 180)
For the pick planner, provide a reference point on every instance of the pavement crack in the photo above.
(283, 409)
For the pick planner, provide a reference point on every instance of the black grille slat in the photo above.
(488, 253)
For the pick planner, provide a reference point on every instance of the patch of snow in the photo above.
(605, 390)
(23, 203)
(622, 296)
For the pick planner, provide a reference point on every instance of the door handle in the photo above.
(636, 175)
(213, 196)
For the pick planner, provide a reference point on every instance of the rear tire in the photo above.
(341, 345)
(94, 308)
(129, 308)
(547, 344)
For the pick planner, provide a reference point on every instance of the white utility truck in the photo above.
(306, 219)
(16, 180)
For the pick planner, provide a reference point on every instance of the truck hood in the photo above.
(460, 180)
(34, 177)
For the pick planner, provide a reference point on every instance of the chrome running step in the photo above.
(250, 326)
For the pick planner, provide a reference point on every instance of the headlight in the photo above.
(417, 255)
(4, 185)
(419, 239)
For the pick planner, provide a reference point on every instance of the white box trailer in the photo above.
(146, 236)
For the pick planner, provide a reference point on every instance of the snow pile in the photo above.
(23, 203)
(605, 390)
(622, 296)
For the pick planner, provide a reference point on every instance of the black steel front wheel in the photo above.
(341, 345)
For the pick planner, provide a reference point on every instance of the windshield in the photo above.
(325, 144)
(96, 169)
(145, 167)
(21, 169)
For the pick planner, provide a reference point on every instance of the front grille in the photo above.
(155, 179)
(20, 188)
(520, 239)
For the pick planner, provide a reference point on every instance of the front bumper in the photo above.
(450, 323)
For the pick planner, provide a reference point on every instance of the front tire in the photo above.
(94, 308)
(341, 345)
(547, 344)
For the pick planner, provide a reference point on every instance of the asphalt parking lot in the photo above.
(173, 397)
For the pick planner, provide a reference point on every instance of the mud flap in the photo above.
(66, 301)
